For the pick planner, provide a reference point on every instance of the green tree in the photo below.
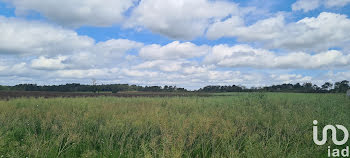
(341, 87)
(308, 87)
(327, 86)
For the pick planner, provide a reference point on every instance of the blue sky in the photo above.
(175, 42)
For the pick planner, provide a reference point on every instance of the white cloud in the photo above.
(336, 3)
(111, 52)
(179, 19)
(246, 56)
(309, 34)
(338, 76)
(49, 64)
(2, 68)
(59, 48)
(103, 54)
(182, 66)
(306, 5)
(196, 76)
(143, 75)
(162, 65)
(88, 73)
(266, 29)
(193, 69)
(76, 13)
(18, 70)
(38, 52)
(23, 37)
(291, 78)
(174, 50)
(116, 47)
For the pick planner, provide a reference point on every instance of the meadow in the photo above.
(230, 125)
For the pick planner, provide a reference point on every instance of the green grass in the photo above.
(238, 125)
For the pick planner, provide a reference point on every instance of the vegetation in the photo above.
(234, 125)
(3, 88)
(338, 87)
(6, 95)
(76, 87)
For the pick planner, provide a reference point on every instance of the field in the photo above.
(234, 125)
(26, 94)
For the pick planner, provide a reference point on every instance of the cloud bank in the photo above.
(211, 42)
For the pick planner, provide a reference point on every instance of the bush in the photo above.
(3, 88)
(116, 90)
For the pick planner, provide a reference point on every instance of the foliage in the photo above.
(3, 88)
(76, 87)
(235, 125)
(339, 87)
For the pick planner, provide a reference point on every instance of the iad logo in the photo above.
(333, 129)
(334, 134)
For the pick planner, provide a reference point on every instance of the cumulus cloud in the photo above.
(337, 76)
(308, 5)
(246, 56)
(29, 37)
(103, 54)
(38, 52)
(116, 47)
(190, 76)
(49, 64)
(336, 3)
(291, 78)
(262, 30)
(88, 73)
(179, 19)
(18, 70)
(179, 66)
(75, 13)
(54, 47)
(174, 50)
(309, 34)
(162, 65)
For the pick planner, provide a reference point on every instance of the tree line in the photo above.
(337, 87)
(76, 87)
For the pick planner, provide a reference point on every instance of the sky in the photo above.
(182, 43)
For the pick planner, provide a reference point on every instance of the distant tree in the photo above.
(341, 87)
(308, 87)
(327, 86)
(181, 90)
(166, 88)
(94, 85)
(297, 86)
(116, 89)
(316, 88)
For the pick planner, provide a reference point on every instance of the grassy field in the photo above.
(234, 125)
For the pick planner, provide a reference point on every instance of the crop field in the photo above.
(233, 125)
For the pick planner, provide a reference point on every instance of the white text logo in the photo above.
(332, 152)
(334, 134)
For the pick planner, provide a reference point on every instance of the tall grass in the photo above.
(237, 125)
